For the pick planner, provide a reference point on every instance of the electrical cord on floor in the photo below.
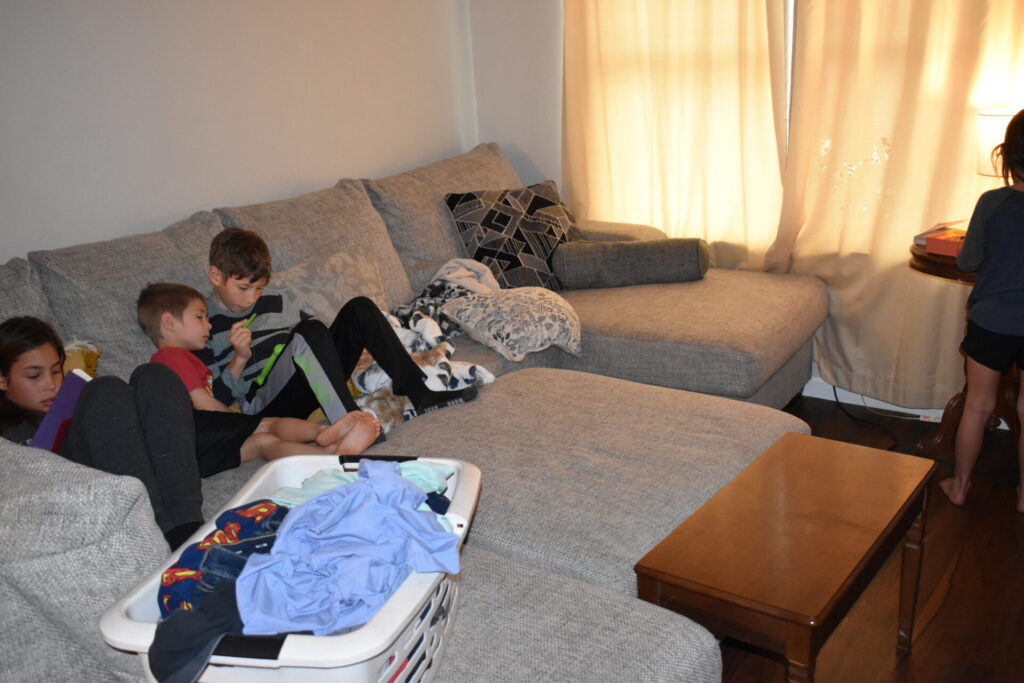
(895, 441)
(889, 413)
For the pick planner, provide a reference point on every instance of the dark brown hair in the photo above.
(159, 298)
(240, 253)
(1010, 151)
(17, 336)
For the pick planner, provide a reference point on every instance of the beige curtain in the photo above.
(674, 117)
(670, 119)
(882, 146)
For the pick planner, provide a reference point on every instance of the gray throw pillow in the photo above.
(588, 265)
(322, 286)
(515, 322)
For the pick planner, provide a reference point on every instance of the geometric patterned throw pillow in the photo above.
(514, 232)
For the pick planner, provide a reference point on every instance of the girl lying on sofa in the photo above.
(144, 428)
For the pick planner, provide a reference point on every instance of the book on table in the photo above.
(54, 426)
(942, 238)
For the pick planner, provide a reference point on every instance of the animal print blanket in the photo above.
(425, 335)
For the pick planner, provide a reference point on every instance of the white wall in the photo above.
(122, 116)
(517, 62)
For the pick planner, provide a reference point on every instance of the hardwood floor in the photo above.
(970, 611)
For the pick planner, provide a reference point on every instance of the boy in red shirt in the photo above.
(173, 316)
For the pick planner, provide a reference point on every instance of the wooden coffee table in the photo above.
(780, 554)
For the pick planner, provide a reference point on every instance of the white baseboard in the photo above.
(816, 387)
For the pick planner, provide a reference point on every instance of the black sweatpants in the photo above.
(359, 325)
(144, 429)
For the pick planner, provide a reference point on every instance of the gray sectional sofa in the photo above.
(587, 461)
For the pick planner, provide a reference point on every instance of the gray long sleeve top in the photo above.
(273, 325)
(994, 247)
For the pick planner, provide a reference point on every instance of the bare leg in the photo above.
(269, 442)
(267, 446)
(291, 429)
(978, 406)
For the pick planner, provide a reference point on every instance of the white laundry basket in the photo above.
(404, 640)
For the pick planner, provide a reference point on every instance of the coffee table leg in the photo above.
(913, 549)
(799, 655)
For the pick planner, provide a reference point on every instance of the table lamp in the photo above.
(991, 131)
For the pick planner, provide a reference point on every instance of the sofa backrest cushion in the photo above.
(318, 224)
(92, 288)
(21, 292)
(322, 286)
(412, 206)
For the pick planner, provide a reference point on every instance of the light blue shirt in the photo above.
(339, 556)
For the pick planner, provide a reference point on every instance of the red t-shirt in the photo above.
(190, 369)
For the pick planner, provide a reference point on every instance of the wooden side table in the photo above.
(781, 553)
(938, 265)
(942, 441)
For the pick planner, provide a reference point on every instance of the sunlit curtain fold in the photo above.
(882, 146)
(670, 119)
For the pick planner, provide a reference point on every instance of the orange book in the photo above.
(947, 242)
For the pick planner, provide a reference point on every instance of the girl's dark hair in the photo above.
(1010, 151)
(18, 335)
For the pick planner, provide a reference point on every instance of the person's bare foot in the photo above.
(334, 433)
(362, 435)
(956, 495)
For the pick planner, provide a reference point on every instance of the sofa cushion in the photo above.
(469, 351)
(322, 286)
(599, 231)
(725, 334)
(75, 539)
(584, 474)
(21, 292)
(92, 289)
(586, 264)
(312, 225)
(515, 322)
(516, 623)
(192, 236)
(514, 232)
(412, 206)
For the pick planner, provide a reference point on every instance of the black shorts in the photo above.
(993, 350)
(219, 439)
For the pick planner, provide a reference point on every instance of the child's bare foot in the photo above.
(362, 435)
(957, 495)
(334, 433)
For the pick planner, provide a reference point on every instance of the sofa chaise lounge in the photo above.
(587, 461)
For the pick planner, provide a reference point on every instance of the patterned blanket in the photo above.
(425, 335)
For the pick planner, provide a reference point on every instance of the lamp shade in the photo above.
(991, 131)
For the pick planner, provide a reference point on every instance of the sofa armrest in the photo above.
(603, 231)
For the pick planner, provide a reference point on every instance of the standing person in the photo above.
(994, 247)
(313, 361)
(142, 428)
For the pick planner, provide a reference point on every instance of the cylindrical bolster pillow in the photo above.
(585, 265)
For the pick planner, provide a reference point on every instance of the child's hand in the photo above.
(241, 339)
